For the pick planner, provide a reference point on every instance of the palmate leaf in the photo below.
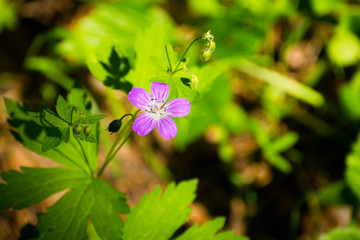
(158, 216)
(32, 185)
(68, 218)
(48, 133)
(208, 232)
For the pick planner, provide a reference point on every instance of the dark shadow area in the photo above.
(117, 69)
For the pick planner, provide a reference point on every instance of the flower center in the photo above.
(157, 108)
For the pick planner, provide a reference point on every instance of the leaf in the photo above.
(65, 133)
(111, 67)
(32, 185)
(208, 232)
(48, 118)
(278, 81)
(63, 109)
(92, 118)
(52, 139)
(107, 201)
(158, 215)
(37, 132)
(67, 219)
(351, 233)
(148, 45)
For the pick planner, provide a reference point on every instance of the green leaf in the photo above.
(63, 109)
(52, 139)
(65, 133)
(158, 215)
(67, 219)
(285, 142)
(350, 233)
(92, 118)
(53, 69)
(107, 201)
(47, 141)
(76, 97)
(48, 118)
(149, 45)
(32, 185)
(110, 66)
(208, 232)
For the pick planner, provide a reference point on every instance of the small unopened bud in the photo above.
(205, 55)
(87, 130)
(210, 46)
(208, 36)
(114, 126)
(77, 130)
(194, 80)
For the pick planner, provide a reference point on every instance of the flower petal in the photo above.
(167, 127)
(144, 123)
(160, 91)
(178, 107)
(140, 98)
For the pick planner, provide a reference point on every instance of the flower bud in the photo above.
(205, 55)
(77, 130)
(114, 126)
(87, 131)
(210, 46)
(208, 36)
(194, 80)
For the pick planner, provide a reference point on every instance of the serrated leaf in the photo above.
(32, 135)
(92, 118)
(32, 185)
(48, 118)
(63, 109)
(148, 45)
(76, 97)
(107, 201)
(67, 219)
(52, 139)
(65, 133)
(208, 232)
(158, 215)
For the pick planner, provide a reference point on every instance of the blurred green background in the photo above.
(272, 135)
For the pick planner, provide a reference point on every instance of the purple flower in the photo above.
(157, 112)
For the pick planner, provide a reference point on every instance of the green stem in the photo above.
(183, 56)
(108, 159)
(167, 55)
(111, 154)
(85, 157)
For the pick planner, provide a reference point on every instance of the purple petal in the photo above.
(160, 91)
(140, 98)
(178, 107)
(144, 123)
(167, 127)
